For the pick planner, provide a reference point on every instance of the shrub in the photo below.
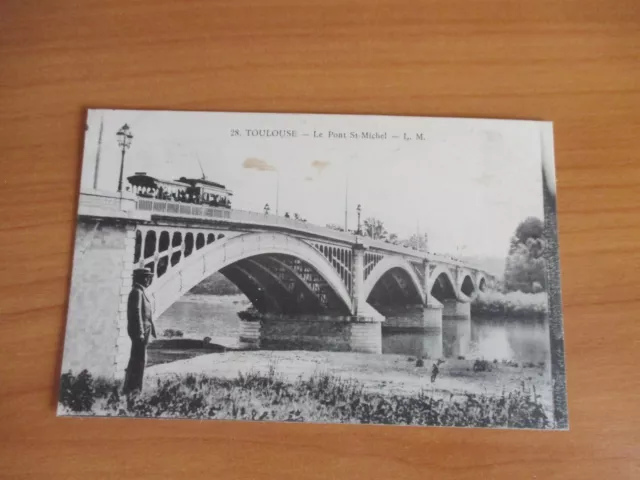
(509, 306)
(510, 363)
(77, 392)
(481, 366)
(173, 333)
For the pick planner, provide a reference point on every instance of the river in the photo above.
(522, 340)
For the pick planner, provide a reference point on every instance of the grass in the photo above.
(320, 398)
(510, 306)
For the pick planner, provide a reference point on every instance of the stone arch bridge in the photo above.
(303, 280)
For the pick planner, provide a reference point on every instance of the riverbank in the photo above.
(385, 374)
(167, 350)
(324, 387)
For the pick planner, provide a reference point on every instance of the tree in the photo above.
(525, 268)
(419, 242)
(531, 227)
(374, 228)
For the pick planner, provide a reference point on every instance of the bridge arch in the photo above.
(468, 287)
(482, 283)
(442, 285)
(227, 251)
(385, 266)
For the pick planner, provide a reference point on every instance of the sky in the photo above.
(466, 183)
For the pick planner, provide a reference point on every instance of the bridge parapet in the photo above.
(181, 210)
(128, 206)
(125, 204)
(335, 246)
(103, 204)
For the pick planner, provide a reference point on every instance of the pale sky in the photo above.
(467, 184)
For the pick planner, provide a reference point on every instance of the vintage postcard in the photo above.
(316, 268)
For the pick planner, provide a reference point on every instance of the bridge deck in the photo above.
(177, 210)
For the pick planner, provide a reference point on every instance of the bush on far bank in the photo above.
(510, 305)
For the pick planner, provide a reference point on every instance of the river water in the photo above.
(522, 340)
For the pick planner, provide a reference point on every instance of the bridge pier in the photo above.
(414, 331)
(418, 318)
(456, 310)
(96, 334)
(357, 297)
(250, 330)
(312, 332)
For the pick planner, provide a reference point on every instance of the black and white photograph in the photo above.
(316, 268)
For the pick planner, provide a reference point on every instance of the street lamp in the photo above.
(359, 210)
(124, 140)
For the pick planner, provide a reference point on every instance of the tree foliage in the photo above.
(419, 242)
(525, 266)
(335, 226)
(374, 228)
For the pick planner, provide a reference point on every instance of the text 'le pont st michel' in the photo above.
(329, 134)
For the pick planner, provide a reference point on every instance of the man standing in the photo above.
(139, 326)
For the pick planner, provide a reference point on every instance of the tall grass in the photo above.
(509, 306)
(320, 398)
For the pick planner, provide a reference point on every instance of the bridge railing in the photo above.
(242, 216)
(180, 209)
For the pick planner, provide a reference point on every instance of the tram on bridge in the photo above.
(188, 190)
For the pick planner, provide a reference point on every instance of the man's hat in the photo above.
(142, 272)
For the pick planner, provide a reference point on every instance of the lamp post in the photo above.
(124, 140)
(359, 210)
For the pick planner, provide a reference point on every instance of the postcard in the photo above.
(316, 268)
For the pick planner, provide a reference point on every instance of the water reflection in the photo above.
(522, 340)
(427, 343)
(456, 337)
